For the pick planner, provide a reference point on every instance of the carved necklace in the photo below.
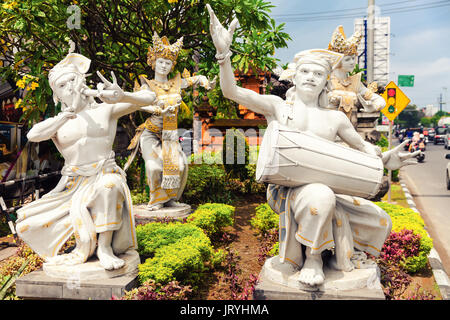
(166, 86)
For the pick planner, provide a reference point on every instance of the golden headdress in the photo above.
(340, 43)
(163, 49)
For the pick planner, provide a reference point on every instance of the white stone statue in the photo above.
(165, 162)
(312, 215)
(92, 200)
(346, 92)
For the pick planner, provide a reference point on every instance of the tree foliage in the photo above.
(116, 34)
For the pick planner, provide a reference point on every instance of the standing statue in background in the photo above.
(315, 212)
(347, 91)
(92, 200)
(165, 162)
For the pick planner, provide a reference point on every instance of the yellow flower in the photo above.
(10, 5)
(20, 83)
(33, 86)
(18, 103)
(172, 1)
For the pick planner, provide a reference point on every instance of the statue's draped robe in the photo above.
(88, 200)
(353, 222)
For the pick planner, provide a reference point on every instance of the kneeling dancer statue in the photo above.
(92, 200)
(319, 207)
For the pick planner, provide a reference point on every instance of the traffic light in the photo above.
(391, 97)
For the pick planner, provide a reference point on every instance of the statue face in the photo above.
(310, 78)
(64, 88)
(163, 66)
(348, 63)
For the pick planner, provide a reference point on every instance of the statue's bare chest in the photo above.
(88, 124)
(315, 120)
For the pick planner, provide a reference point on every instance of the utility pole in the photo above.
(370, 40)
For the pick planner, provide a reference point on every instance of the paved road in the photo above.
(426, 182)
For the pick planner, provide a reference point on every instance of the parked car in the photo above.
(447, 139)
(440, 134)
(447, 172)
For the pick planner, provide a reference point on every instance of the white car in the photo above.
(447, 173)
(447, 139)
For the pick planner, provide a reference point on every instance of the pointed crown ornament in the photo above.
(163, 49)
(340, 43)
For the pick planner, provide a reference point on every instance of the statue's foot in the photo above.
(312, 271)
(154, 207)
(360, 261)
(68, 259)
(173, 203)
(343, 265)
(107, 259)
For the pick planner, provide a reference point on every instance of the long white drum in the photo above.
(292, 158)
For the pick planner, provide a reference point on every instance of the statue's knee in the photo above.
(321, 196)
(111, 183)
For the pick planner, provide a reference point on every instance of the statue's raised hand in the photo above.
(394, 159)
(115, 93)
(221, 37)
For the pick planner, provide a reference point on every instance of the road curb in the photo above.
(439, 273)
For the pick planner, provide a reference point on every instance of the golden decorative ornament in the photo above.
(340, 43)
(163, 49)
(313, 211)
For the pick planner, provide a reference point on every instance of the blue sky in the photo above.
(420, 39)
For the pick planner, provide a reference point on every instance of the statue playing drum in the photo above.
(321, 206)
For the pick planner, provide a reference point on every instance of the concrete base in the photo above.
(143, 215)
(38, 286)
(279, 282)
(87, 281)
(92, 270)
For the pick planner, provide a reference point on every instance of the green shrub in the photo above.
(139, 197)
(176, 251)
(155, 235)
(212, 217)
(408, 219)
(183, 260)
(265, 218)
(206, 183)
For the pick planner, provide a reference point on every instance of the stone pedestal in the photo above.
(87, 281)
(278, 282)
(143, 215)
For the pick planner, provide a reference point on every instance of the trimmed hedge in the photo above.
(182, 251)
(212, 217)
(177, 252)
(265, 218)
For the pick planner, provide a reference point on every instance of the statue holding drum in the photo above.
(316, 185)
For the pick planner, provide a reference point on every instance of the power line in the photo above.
(340, 10)
(296, 17)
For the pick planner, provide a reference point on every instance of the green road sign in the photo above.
(405, 81)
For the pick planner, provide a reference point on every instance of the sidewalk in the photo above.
(439, 273)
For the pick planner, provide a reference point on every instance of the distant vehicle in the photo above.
(431, 134)
(447, 172)
(447, 139)
(440, 134)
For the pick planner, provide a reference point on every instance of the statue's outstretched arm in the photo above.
(47, 129)
(124, 102)
(222, 38)
(349, 135)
